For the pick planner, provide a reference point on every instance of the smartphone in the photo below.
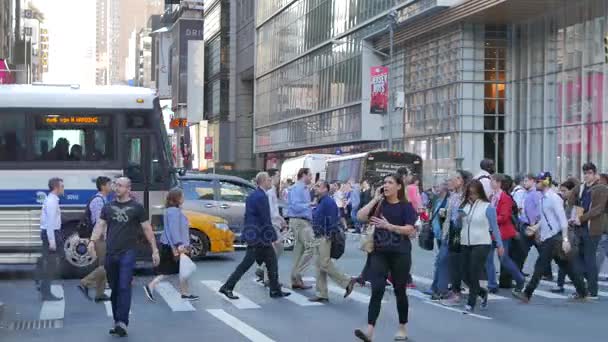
(382, 190)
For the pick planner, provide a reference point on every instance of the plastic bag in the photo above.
(186, 267)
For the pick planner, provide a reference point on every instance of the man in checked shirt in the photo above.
(97, 278)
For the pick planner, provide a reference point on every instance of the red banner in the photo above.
(379, 98)
(208, 148)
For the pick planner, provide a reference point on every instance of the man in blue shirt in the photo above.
(299, 211)
(326, 223)
(259, 234)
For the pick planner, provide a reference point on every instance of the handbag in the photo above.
(367, 238)
(426, 238)
(338, 245)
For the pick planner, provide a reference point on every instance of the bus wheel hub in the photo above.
(76, 252)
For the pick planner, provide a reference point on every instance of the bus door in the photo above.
(138, 165)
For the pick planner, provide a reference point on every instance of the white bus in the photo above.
(315, 162)
(77, 135)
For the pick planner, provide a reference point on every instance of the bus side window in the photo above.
(156, 173)
(134, 160)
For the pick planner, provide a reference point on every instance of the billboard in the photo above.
(379, 96)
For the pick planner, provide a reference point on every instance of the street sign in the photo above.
(208, 148)
(177, 123)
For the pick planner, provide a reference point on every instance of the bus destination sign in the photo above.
(69, 120)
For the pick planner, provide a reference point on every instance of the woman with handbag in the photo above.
(175, 242)
(392, 251)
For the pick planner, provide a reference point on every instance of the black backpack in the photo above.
(85, 226)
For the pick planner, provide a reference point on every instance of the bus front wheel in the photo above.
(76, 261)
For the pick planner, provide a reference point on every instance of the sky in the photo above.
(71, 25)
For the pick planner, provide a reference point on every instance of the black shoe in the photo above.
(102, 298)
(228, 293)
(484, 300)
(149, 293)
(350, 287)
(85, 291)
(51, 298)
(493, 290)
(279, 294)
(119, 330)
(317, 299)
(191, 298)
(362, 336)
(521, 295)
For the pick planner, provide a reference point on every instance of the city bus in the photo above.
(372, 166)
(76, 134)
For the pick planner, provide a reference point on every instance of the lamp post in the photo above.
(392, 21)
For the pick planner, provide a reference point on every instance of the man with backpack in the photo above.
(97, 278)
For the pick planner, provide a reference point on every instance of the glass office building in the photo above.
(516, 81)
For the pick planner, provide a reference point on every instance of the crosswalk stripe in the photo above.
(295, 297)
(550, 295)
(246, 330)
(599, 283)
(425, 299)
(108, 305)
(241, 303)
(54, 310)
(427, 281)
(173, 297)
(357, 296)
(571, 287)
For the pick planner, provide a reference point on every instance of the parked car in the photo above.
(208, 234)
(223, 196)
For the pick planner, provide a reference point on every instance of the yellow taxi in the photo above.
(209, 234)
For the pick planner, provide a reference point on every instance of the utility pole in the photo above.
(391, 17)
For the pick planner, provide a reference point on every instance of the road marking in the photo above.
(246, 330)
(547, 294)
(570, 287)
(357, 296)
(108, 305)
(427, 281)
(295, 297)
(420, 295)
(173, 297)
(241, 303)
(599, 282)
(54, 310)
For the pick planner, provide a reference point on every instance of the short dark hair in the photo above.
(518, 179)
(478, 187)
(486, 164)
(101, 181)
(302, 172)
(54, 183)
(272, 172)
(568, 185)
(324, 184)
(589, 166)
(174, 198)
(531, 176)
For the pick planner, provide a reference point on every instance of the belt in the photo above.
(301, 218)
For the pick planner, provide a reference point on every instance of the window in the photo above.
(134, 161)
(198, 190)
(73, 138)
(12, 137)
(137, 121)
(233, 192)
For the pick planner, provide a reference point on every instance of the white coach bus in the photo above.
(77, 135)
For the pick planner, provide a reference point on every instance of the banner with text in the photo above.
(208, 148)
(379, 98)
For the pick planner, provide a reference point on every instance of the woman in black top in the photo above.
(392, 251)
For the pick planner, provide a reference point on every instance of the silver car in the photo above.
(223, 196)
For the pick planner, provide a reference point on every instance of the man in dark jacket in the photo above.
(259, 234)
(592, 197)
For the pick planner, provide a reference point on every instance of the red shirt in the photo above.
(504, 216)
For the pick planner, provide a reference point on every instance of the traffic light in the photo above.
(606, 47)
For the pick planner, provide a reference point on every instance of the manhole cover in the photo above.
(36, 324)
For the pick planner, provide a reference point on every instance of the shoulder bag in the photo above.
(426, 238)
(367, 238)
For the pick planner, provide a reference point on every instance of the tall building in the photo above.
(521, 82)
(7, 29)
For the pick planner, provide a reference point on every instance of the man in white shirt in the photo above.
(552, 232)
(487, 170)
(50, 225)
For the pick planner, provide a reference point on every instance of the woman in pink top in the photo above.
(413, 192)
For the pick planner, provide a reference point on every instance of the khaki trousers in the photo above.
(97, 278)
(326, 267)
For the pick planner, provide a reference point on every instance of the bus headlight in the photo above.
(222, 226)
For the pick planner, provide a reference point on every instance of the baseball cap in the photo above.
(544, 176)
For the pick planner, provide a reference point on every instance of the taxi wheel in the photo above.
(199, 244)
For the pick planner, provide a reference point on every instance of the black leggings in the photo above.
(473, 264)
(380, 264)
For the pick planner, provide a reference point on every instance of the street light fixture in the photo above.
(341, 42)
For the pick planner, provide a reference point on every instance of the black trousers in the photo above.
(455, 268)
(262, 254)
(473, 265)
(48, 264)
(380, 264)
(549, 250)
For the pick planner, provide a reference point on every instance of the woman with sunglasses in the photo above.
(479, 226)
(394, 225)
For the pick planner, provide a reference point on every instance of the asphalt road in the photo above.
(259, 318)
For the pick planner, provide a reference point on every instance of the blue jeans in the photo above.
(491, 269)
(602, 251)
(441, 276)
(353, 216)
(119, 269)
(587, 257)
(510, 266)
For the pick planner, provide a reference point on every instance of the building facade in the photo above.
(520, 82)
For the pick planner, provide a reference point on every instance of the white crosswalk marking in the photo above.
(241, 303)
(420, 295)
(246, 330)
(54, 310)
(427, 281)
(173, 297)
(570, 287)
(356, 296)
(547, 294)
(295, 297)
(108, 305)
(599, 283)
